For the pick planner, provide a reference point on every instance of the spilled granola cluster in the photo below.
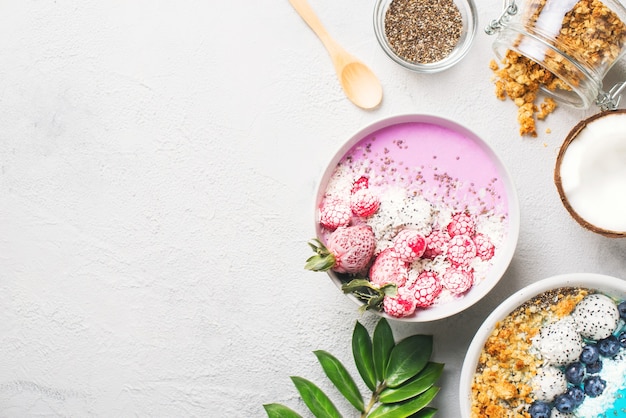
(590, 33)
(520, 79)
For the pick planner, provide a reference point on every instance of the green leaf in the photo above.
(315, 399)
(371, 295)
(362, 352)
(356, 284)
(408, 358)
(322, 260)
(275, 410)
(417, 385)
(390, 289)
(382, 344)
(407, 408)
(340, 377)
(425, 413)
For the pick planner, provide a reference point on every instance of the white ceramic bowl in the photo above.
(611, 286)
(509, 199)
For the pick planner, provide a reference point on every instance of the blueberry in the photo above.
(622, 309)
(622, 339)
(590, 354)
(608, 346)
(539, 410)
(594, 386)
(564, 403)
(594, 367)
(575, 372)
(577, 394)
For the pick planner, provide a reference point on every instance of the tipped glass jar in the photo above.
(576, 41)
(425, 36)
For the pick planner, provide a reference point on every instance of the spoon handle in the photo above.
(308, 15)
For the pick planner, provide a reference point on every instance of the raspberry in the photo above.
(364, 203)
(403, 304)
(409, 245)
(461, 224)
(484, 247)
(360, 183)
(436, 243)
(457, 280)
(426, 288)
(461, 250)
(388, 268)
(335, 213)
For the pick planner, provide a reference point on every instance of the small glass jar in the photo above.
(423, 16)
(577, 41)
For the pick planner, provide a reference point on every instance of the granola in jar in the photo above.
(563, 47)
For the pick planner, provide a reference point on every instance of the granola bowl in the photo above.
(434, 234)
(556, 348)
(425, 36)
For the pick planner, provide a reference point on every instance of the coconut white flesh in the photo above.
(593, 173)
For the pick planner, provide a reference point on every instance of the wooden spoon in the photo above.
(358, 82)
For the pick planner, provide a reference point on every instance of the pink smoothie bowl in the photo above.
(426, 169)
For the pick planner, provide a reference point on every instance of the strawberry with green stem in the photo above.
(348, 249)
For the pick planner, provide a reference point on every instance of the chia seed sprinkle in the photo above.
(423, 31)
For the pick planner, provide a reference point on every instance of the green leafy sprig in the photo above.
(401, 377)
(371, 295)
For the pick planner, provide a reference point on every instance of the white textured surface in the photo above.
(158, 162)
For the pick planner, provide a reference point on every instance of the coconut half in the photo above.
(590, 173)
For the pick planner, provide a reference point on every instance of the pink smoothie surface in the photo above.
(439, 163)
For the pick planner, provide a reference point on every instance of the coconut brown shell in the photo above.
(558, 182)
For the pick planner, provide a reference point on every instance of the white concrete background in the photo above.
(158, 161)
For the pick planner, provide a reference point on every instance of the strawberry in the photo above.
(436, 243)
(360, 183)
(409, 245)
(335, 213)
(461, 250)
(484, 247)
(403, 304)
(457, 280)
(426, 288)
(364, 203)
(388, 268)
(348, 249)
(462, 223)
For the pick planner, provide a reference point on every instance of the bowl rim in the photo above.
(458, 53)
(601, 282)
(509, 245)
